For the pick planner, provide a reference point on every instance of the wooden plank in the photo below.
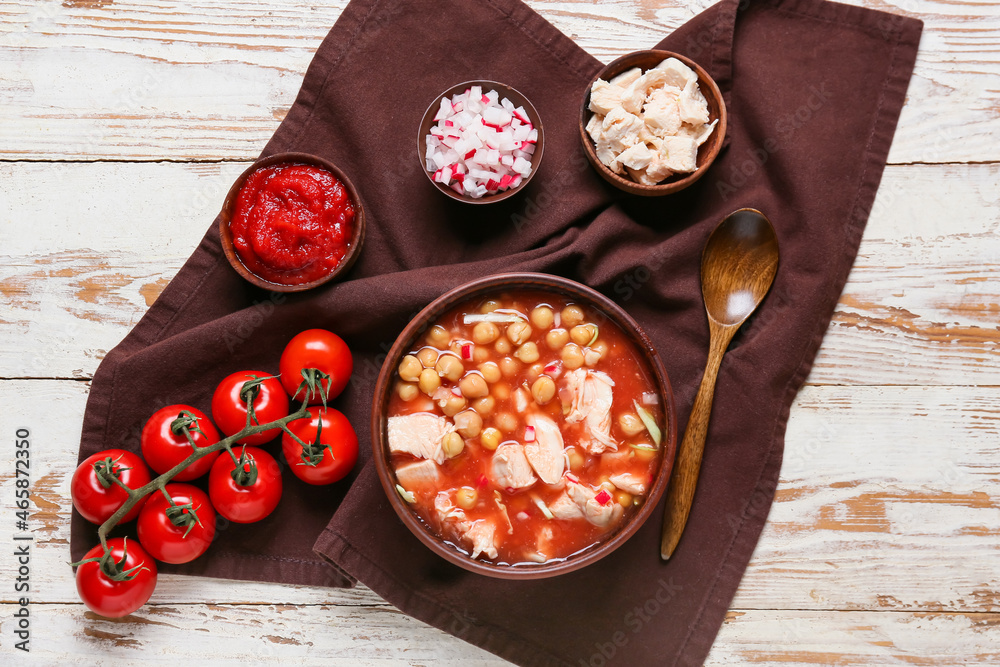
(380, 636)
(879, 483)
(807, 639)
(924, 290)
(141, 80)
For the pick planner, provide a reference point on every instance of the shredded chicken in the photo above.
(419, 434)
(590, 396)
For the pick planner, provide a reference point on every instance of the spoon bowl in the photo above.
(738, 267)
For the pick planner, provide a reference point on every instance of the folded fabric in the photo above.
(814, 91)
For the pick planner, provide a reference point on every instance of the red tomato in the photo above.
(114, 599)
(230, 410)
(332, 458)
(255, 495)
(92, 500)
(164, 444)
(327, 354)
(184, 540)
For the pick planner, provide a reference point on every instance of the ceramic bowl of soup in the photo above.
(523, 426)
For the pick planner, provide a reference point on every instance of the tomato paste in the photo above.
(292, 223)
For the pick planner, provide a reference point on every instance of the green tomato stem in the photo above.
(160, 483)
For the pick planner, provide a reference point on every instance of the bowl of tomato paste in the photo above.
(291, 222)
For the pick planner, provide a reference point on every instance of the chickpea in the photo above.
(503, 346)
(509, 367)
(438, 336)
(466, 497)
(644, 453)
(576, 459)
(630, 424)
(428, 357)
(489, 306)
(501, 391)
(468, 423)
(452, 445)
(473, 385)
(409, 368)
(429, 381)
(624, 498)
(452, 405)
(485, 332)
(594, 354)
(582, 334)
(484, 405)
(572, 356)
(534, 371)
(506, 422)
(542, 317)
(543, 390)
(407, 391)
(490, 371)
(519, 332)
(557, 338)
(449, 367)
(490, 438)
(528, 353)
(608, 486)
(571, 316)
(480, 354)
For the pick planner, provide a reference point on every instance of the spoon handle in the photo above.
(684, 477)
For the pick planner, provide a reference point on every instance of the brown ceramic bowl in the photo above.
(707, 152)
(504, 90)
(226, 237)
(497, 284)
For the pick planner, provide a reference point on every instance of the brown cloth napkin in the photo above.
(814, 90)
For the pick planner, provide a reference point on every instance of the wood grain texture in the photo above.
(882, 545)
(878, 483)
(144, 80)
(921, 307)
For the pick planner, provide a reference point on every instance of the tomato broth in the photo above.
(524, 428)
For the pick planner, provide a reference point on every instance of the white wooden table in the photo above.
(883, 546)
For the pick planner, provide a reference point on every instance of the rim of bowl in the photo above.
(713, 146)
(515, 96)
(527, 281)
(226, 236)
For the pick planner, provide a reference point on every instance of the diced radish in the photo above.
(603, 497)
(456, 391)
(480, 144)
(467, 351)
(529, 433)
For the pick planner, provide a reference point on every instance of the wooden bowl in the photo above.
(226, 236)
(504, 91)
(707, 152)
(496, 284)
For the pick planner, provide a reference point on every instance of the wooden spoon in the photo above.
(737, 269)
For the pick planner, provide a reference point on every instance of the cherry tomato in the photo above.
(114, 599)
(332, 458)
(96, 502)
(321, 350)
(184, 540)
(164, 444)
(230, 410)
(255, 495)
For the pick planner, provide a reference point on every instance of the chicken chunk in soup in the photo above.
(524, 428)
